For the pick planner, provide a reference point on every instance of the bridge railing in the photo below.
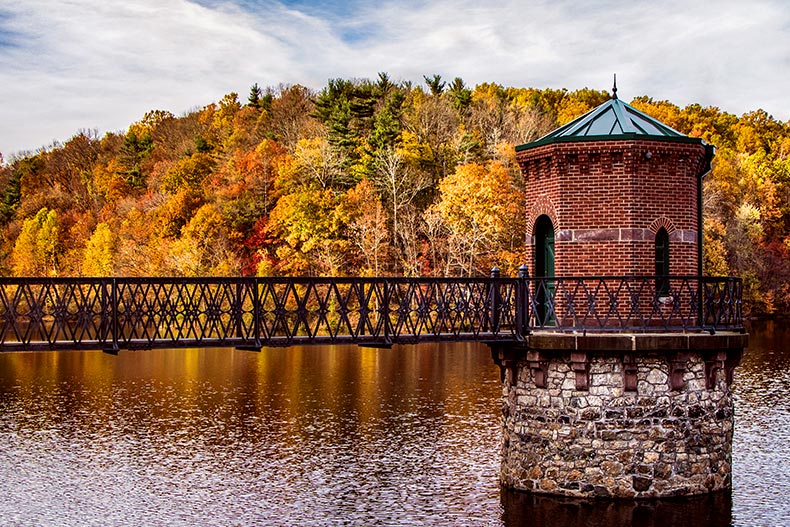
(131, 313)
(636, 304)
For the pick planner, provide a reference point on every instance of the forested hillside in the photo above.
(363, 177)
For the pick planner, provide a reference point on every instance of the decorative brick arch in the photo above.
(542, 206)
(663, 221)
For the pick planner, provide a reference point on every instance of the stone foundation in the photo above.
(619, 416)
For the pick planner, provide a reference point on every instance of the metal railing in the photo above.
(636, 304)
(135, 313)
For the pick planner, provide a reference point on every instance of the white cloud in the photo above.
(67, 65)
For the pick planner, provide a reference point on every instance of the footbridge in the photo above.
(111, 314)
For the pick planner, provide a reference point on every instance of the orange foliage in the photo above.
(361, 178)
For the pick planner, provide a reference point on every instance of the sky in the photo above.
(71, 65)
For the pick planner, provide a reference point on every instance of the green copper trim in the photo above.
(633, 136)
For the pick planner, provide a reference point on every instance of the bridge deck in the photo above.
(134, 313)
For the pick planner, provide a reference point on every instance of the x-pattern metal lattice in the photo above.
(254, 312)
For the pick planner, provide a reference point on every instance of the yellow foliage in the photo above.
(99, 252)
(189, 172)
(483, 212)
(570, 109)
(412, 151)
(714, 249)
(477, 198)
(37, 247)
(307, 222)
(176, 212)
(488, 93)
(664, 111)
(203, 248)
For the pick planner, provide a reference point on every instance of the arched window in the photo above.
(544, 268)
(662, 262)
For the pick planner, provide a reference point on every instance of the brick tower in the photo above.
(621, 386)
(614, 192)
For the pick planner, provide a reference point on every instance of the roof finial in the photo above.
(614, 87)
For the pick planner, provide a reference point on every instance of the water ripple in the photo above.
(316, 437)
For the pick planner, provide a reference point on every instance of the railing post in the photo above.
(256, 311)
(115, 326)
(110, 308)
(256, 344)
(238, 310)
(702, 301)
(364, 309)
(385, 312)
(522, 301)
(104, 325)
(737, 285)
(496, 300)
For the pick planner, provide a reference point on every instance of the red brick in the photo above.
(594, 189)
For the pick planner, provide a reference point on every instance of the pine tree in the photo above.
(255, 98)
(435, 83)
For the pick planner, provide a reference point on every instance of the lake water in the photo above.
(324, 436)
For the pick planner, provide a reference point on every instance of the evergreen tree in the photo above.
(461, 95)
(134, 150)
(435, 83)
(255, 98)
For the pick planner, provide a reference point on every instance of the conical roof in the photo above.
(613, 120)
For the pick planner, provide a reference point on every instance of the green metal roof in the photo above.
(614, 119)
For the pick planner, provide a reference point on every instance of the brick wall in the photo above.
(607, 199)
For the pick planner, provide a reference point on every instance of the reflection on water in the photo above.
(222, 437)
(525, 509)
(761, 450)
(320, 436)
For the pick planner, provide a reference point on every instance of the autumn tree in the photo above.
(38, 246)
(433, 122)
(99, 252)
(220, 119)
(366, 217)
(321, 165)
(290, 117)
(531, 117)
(311, 237)
(246, 189)
(491, 118)
(139, 250)
(483, 214)
(361, 176)
(399, 184)
(744, 234)
(189, 173)
(203, 248)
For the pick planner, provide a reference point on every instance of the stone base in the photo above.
(618, 416)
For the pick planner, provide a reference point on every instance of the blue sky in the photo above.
(67, 65)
